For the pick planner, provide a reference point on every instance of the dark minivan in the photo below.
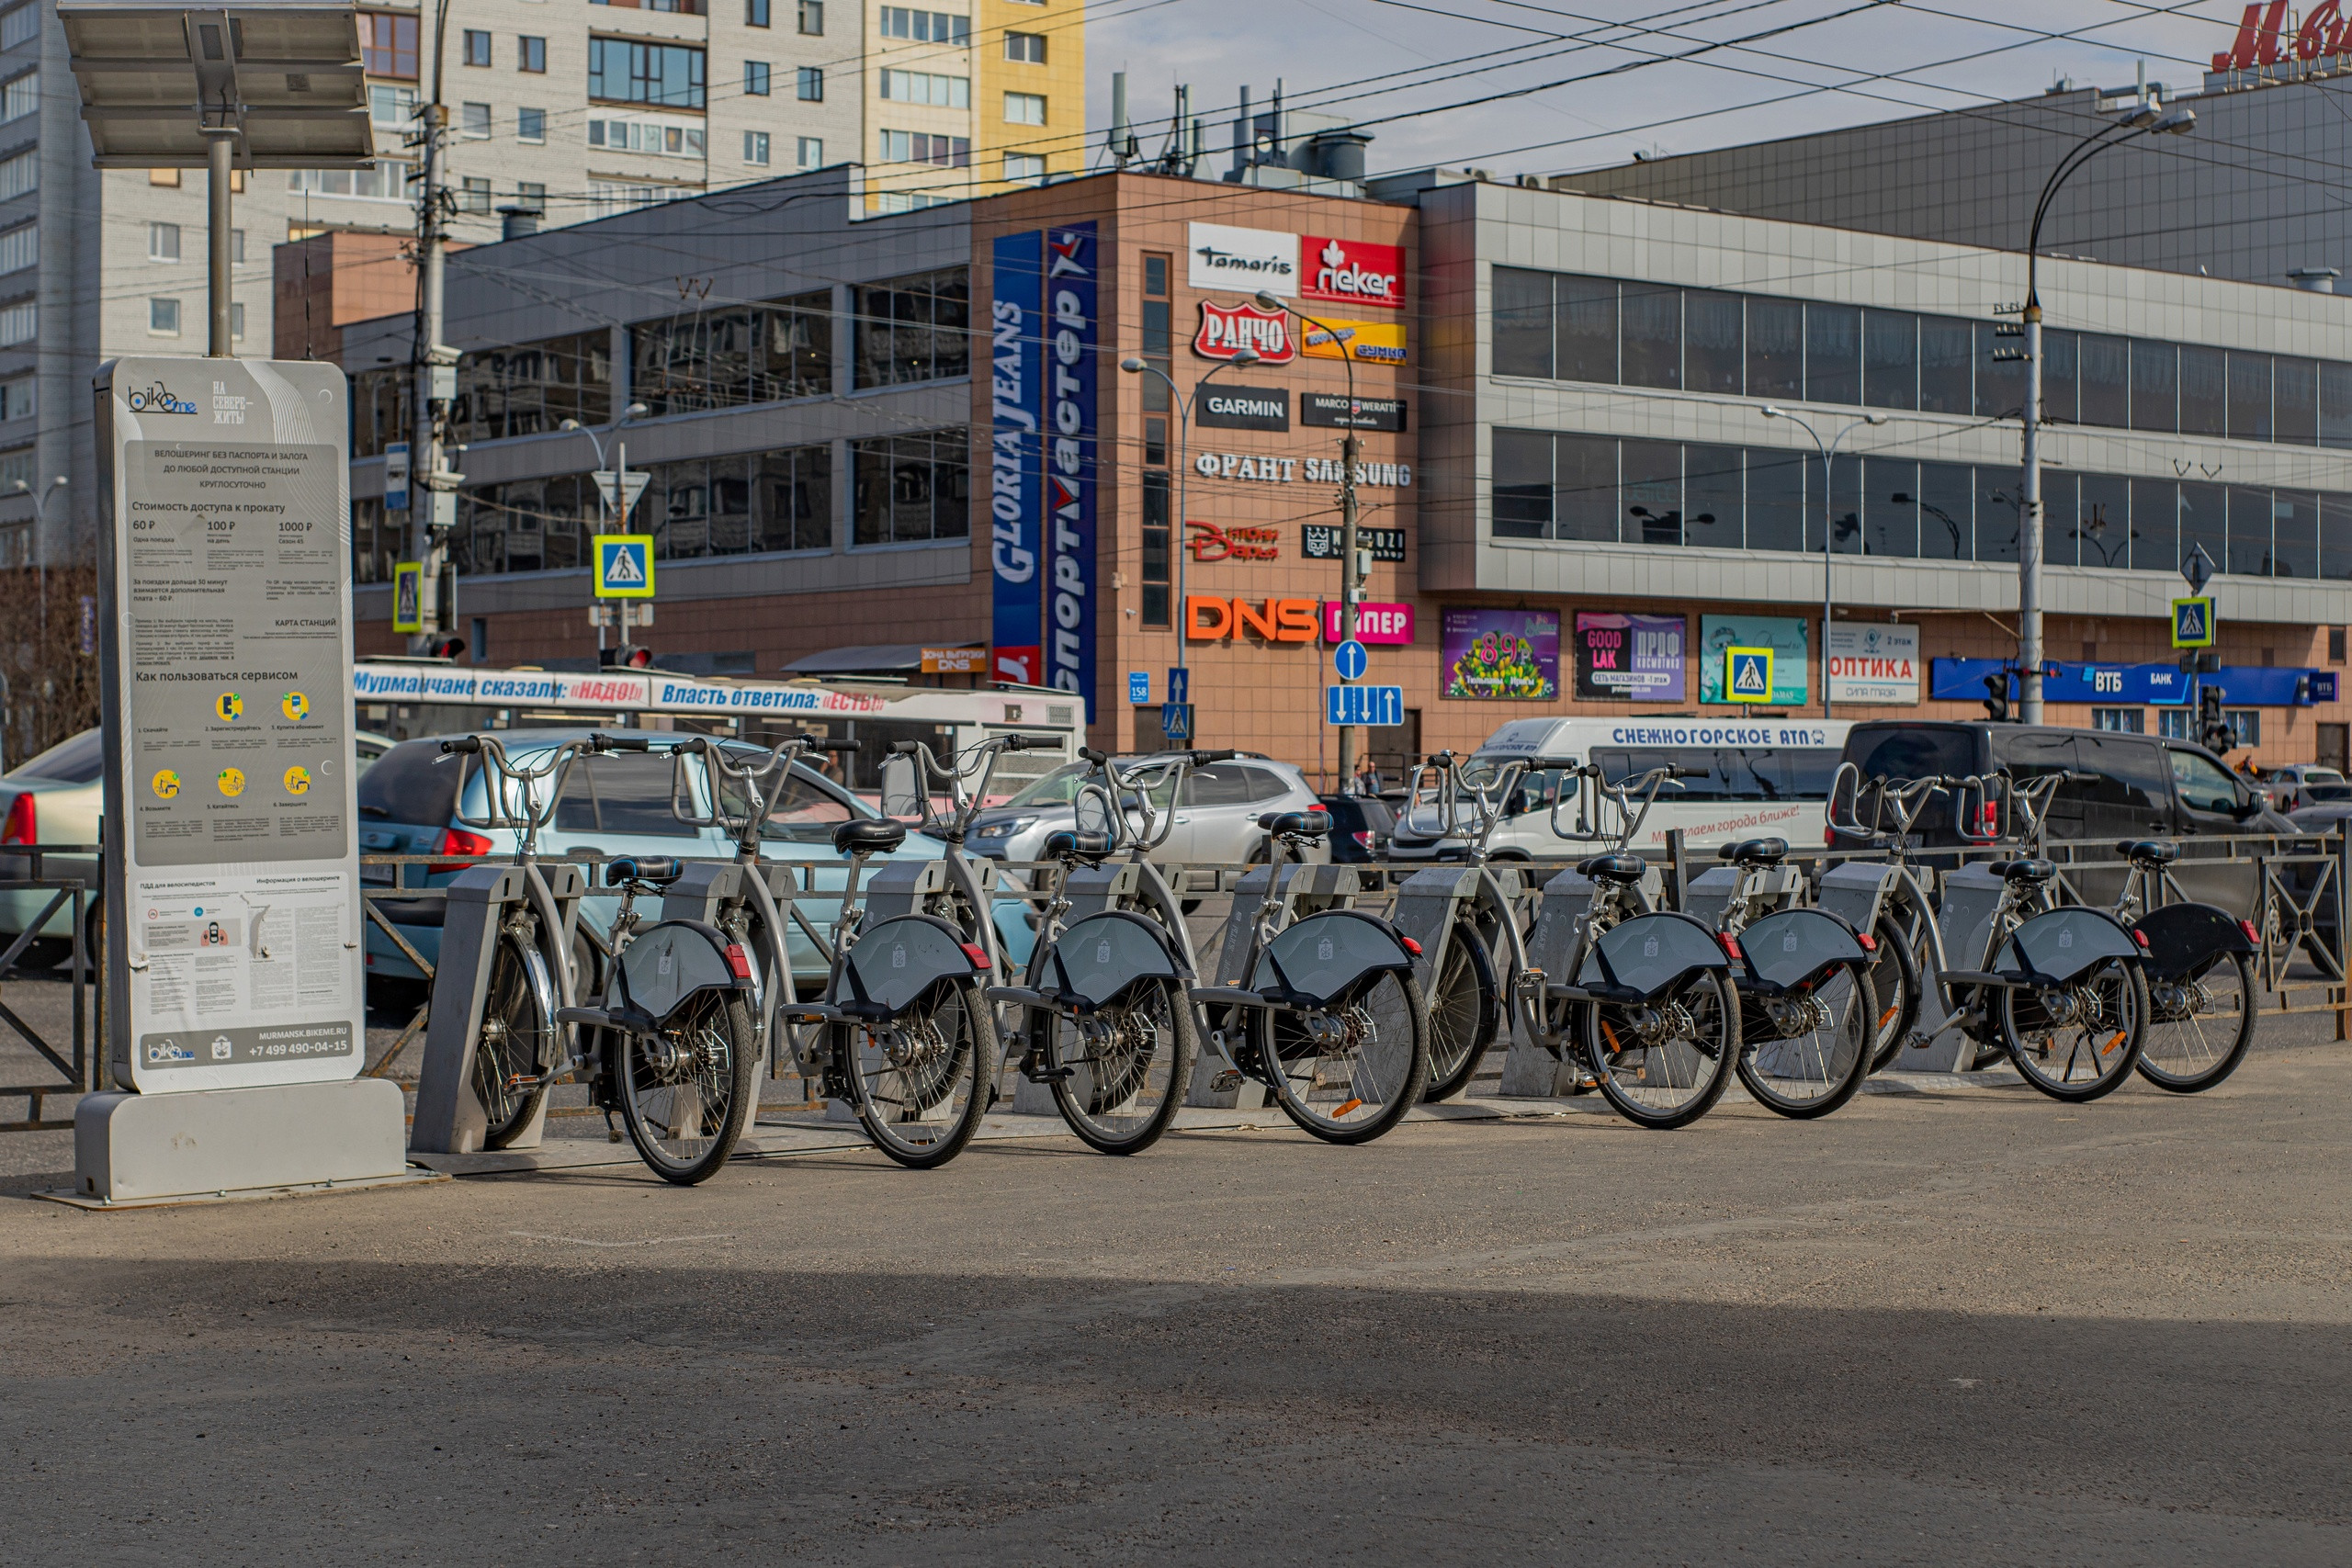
(2146, 787)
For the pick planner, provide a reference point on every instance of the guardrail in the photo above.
(79, 1066)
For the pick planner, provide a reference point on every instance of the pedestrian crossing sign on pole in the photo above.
(408, 596)
(1747, 674)
(2192, 623)
(624, 566)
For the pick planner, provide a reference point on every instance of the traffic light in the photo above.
(1996, 697)
(628, 656)
(445, 647)
(2213, 729)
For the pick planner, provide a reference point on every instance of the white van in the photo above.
(1741, 779)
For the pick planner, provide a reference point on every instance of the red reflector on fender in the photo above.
(1869, 943)
(1731, 946)
(2251, 934)
(1410, 945)
(739, 962)
(2140, 936)
(977, 954)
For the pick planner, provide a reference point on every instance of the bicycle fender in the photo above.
(1102, 954)
(2057, 945)
(672, 963)
(1325, 956)
(2185, 940)
(895, 962)
(1791, 948)
(1648, 955)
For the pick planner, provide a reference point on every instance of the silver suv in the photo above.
(1215, 822)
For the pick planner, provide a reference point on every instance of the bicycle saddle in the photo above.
(2033, 870)
(2148, 851)
(1613, 868)
(863, 837)
(1069, 845)
(1296, 824)
(1755, 852)
(630, 868)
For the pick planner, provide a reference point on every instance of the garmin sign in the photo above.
(1226, 407)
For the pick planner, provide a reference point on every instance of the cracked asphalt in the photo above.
(1959, 1329)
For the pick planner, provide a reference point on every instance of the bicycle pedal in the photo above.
(1228, 1079)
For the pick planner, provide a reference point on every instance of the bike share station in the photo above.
(235, 1015)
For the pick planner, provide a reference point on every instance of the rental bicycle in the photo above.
(1466, 913)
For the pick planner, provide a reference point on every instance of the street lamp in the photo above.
(1828, 450)
(1348, 586)
(2149, 118)
(1134, 366)
(41, 534)
(618, 500)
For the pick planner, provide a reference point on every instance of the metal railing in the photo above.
(77, 1063)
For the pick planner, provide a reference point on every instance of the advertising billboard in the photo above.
(1017, 404)
(1630, 658)
(1873, 663)
(1513, 655)
(1786, 636)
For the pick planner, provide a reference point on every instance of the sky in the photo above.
(1603, 86)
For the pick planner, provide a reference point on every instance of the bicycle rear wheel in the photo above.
(1805, 1055)
(1465, 1008)
(1894, 985)
(1128, 1073)
(686, 1092)
(1349, 1072)
(1664, 1063)
(517, 1041)
(2199, 1030)
(2078, 1041)
(921, 1084)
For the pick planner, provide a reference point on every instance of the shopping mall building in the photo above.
(902, 445)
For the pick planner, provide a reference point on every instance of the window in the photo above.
(812, 17)
(1946, 359)
(20, 247)
(1156, 555)
(477, 46)
(1027, 47)
(811, 83)
(236, 319)
(2205, 784)
(2204, 400)
(2176, 724)
(682, 7)
(755, 13)
(21, 173)
(1833, 353)
(19, 97)
(655, 140)
(620, 795)
(2246, 724)
(738, 505)
(163, 242)
(2155, 387)
(1651, 322)
(2124, 721)
(390, 105)
(668, 75)
(527, 390)
(473, 121)
(1710, 347)
(923, 87)
(912, 488)
(810, 153)
(797, 500)
(755, 78)
(531, 55)
(914, 329)
(163, 316)
(474, 195)
(20, 398)
(1024, 168)
(20, 320)
(758, 354)
(19, 26)
(387, 44)
(531, 126)
(2250, 396)
(755, 147)
(2335, 649)
(920, 147)
(925, 27)
(1890, 360)
(1522, 322)
(1024, 108)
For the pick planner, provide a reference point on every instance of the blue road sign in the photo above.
(1180, 684)
(1176, 720)
(1349, 659)
(1364, 704)
(1139, 686)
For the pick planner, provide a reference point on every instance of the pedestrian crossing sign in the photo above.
(624, 566)
(2192, 623)
(1747, 674)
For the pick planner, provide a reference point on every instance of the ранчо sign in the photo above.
(1227, 329)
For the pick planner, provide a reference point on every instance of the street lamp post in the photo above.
(40, 534)
(1349, 588)
(1828, 451)
(1136, 365)
(2149, 118)
(620, 501)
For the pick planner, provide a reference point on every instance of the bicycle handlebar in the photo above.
(1591, 783)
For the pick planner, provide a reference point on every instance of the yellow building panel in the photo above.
(1011, 81)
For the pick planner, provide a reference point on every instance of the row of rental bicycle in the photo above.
(1321, 994)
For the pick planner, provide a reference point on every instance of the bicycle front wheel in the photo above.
(2079, 1041)
(921, 1083)
(1894, 985)
(1665, 1062)
(516, 1041)
(1466, 1008)
(2199, 1030)
(1348, 1072)
(686, 1092)
(1805, 1055)
(1128, 1066)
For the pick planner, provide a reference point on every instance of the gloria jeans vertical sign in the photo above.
(1017, 404)
(1071, 372)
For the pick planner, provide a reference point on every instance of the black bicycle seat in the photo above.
(1296, 824)
(867, 837)
(2148, 851)
(1069, 845)
(633, 868)
(2033, 870)
(1613, 868)
(1755, 852)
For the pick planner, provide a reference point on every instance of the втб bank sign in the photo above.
(1041, 380)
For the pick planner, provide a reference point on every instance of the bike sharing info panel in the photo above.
(233, 702)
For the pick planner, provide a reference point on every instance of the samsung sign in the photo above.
(1226, 407)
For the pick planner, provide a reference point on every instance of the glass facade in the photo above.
(914, 329)
(914, 489)
(725, 358)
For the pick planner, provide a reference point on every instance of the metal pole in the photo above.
(2030, 519)
(1349, 587)
(1183, 616)
(219, 146)
(1828, 550)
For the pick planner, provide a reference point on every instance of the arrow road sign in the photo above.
(1180, 684)
(1364, 704)
(1349, 659)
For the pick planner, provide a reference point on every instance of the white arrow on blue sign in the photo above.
(1349, 659)
(1364, 704)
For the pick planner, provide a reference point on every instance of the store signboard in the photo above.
(1630, 658)
(1242, 261)
(1017, 411)
(1512, 655)
(1873, 663)
(232, 872)
(1390, 626)
(1353, 271)
(1337, 410)
(1372, 343)
(1322, 541)
(1224, 406)
(1786, 636)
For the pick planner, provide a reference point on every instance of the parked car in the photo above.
(1215, 820)
(2289, 788)
(1360, 827)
